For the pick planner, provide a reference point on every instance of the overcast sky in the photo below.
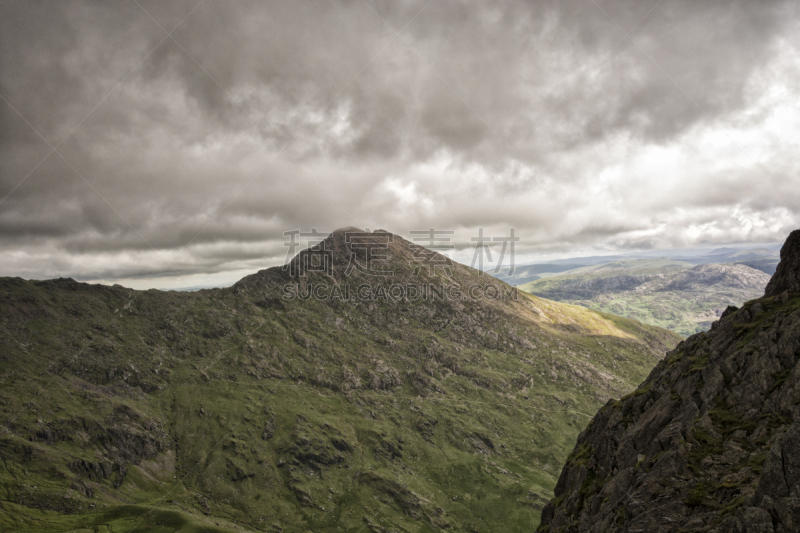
(171, 144)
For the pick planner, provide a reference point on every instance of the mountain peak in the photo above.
(371, 256)
(347, 229)
(787, 276)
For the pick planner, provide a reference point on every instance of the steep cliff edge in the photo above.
(787, 276)
(710, 441)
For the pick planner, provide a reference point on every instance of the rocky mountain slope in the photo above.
(669, 294)
(280, 404)
(710, 441)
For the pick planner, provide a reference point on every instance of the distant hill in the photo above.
(526, 273)
(275, 406)
(767, 266)
(668, 293)
(763, 258)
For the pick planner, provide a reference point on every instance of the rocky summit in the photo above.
(710, 441)
(369, 385)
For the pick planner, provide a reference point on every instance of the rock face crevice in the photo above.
(710, 441)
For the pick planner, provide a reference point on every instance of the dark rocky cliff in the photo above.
(710, 441)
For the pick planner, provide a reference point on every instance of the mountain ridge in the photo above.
(247, 409)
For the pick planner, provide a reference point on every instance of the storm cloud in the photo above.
(173, 143)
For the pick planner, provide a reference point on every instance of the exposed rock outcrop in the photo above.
(710, 441)
(787, 276)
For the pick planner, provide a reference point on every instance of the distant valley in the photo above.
(685, 295)
(764, 258)
(683, 298)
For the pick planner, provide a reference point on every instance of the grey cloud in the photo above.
(202, 117)
(307, 50)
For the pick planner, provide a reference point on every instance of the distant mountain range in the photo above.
(672, 294)
(679, 291)
(763, 258)
(319, 397)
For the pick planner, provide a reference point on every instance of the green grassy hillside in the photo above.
(239, 410)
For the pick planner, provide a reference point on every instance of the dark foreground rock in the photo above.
(787, 276)
(710, 441)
